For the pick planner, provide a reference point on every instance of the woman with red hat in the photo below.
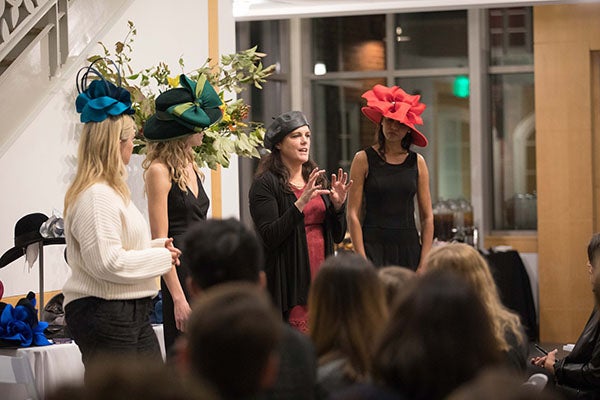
(387, 176)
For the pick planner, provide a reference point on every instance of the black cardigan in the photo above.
(280, 226)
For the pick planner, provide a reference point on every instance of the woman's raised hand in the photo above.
(311, 189)
(339, 188)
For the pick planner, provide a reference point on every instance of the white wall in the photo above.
(40, 162)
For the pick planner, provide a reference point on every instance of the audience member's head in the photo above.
(466, 261)
(593, 252)
(347, 310)
(438, 337)
(233, 338)
(128, 378)
(218, 251)
(395, 279)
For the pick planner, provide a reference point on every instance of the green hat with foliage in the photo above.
(184, 111)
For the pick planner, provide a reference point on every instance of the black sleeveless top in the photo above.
(389, 231)
(184, 209)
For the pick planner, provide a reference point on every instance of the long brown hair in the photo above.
(99, 158)
(176, 155)
(347, 310)
(273, 163)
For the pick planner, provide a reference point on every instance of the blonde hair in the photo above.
(175, 155)
(99, 158)
(467, 261)
(347, 311)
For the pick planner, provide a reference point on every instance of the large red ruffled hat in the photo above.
(396, 104)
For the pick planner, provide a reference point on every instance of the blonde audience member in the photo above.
(469, 264)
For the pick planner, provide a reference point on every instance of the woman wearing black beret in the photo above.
(297, 215)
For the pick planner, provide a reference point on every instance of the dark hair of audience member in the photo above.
(395, 280)
(128, 378)
(233, 337)
(219, 251)
(347, 310)
(593, 251)
(439, 336)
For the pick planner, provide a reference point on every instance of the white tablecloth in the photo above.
(58, 364)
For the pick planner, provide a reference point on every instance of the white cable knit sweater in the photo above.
(109, 249)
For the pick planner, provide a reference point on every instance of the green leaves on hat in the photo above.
(204, 110)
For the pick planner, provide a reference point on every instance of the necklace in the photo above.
(297, 186)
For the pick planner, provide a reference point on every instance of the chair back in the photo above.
(16, 371)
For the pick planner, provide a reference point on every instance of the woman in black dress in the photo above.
(176, 198)
(387, 176)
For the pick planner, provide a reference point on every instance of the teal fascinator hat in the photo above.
(101, 98)
(184, 111)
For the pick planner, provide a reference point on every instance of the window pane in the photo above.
(339, 129)
(431, 40)
(513, 151)
(349, 43)
(271, 37)
(446, 126)
(511, 33)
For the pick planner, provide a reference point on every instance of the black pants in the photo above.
(104, 327)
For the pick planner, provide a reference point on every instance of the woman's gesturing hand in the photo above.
(311, 189)
(339, 188)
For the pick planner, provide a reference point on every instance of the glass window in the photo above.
(348, 44)
(271, 38)
(511, 36)
(513, 151)
(431, 40)
(446, 126)
(339, 129)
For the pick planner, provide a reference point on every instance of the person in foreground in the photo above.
(578, 374)
(234, 254)
(297, 217)
(439, 336)
(347, 313)
(387, 176)
(114, 264)
(176, 198)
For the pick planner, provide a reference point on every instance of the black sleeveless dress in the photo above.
(184, 209)
(390, 234)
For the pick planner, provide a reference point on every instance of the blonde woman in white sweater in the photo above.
(108, 296)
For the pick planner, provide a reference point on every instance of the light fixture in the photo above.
(320, 68)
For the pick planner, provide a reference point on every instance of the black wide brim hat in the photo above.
(27, 231)
(184, 111)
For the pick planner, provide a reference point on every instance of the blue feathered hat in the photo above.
(101, 98)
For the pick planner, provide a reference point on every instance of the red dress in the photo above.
(314, 217)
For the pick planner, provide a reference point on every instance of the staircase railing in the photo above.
(25, 23)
